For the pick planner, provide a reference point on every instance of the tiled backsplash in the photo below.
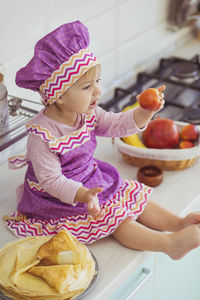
(126, 35)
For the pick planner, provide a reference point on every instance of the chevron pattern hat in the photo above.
(60, 59)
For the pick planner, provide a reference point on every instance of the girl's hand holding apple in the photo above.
(151, 101)
(152, 98)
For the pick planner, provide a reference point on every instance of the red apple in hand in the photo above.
(190, 133)
(150, 98)
(186, 144)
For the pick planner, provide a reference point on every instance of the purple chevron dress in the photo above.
(47, 215)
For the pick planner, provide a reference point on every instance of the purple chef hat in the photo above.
(60, 59)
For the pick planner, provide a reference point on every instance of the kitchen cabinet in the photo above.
(139, 285)
(161, 278)
(178, 279)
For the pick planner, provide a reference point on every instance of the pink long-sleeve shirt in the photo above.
(46, 164)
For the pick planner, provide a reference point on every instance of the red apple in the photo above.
(150, 98)
(161, 133)
(190, 133)
(186, 144)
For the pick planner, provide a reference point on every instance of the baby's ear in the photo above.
(60, 100)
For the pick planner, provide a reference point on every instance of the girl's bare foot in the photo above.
(192, 218)
(183, 241)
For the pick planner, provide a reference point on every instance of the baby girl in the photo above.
(65, 186)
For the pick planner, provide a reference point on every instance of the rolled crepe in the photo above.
(24, 275)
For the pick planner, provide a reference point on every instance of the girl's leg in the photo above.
(136, 236)
(157, 217)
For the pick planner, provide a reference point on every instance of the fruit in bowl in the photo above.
(186, 144)
(151, 98)
(161, 133)
(190, 133)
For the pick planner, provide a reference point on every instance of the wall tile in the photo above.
(122, 1)
(11, 68)
(137, 16)
(22, 23)
(124, 34)
(63, 11)
(102, 36)
(144, 47)
(108, 71)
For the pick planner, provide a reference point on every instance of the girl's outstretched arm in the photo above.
(90, 196)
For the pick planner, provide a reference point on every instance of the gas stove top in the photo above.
(182, 94)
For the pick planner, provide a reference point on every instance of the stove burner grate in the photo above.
(182, 96)
(192, 115)
(185, 70)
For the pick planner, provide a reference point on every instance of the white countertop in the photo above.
(189, 49)
(179, 191)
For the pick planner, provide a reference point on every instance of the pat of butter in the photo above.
(68, 257)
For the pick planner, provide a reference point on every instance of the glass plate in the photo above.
(87, 291)
(92, 283)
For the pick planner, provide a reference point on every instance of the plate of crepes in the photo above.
(47, 268)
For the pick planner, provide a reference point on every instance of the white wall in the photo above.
(126, 35)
